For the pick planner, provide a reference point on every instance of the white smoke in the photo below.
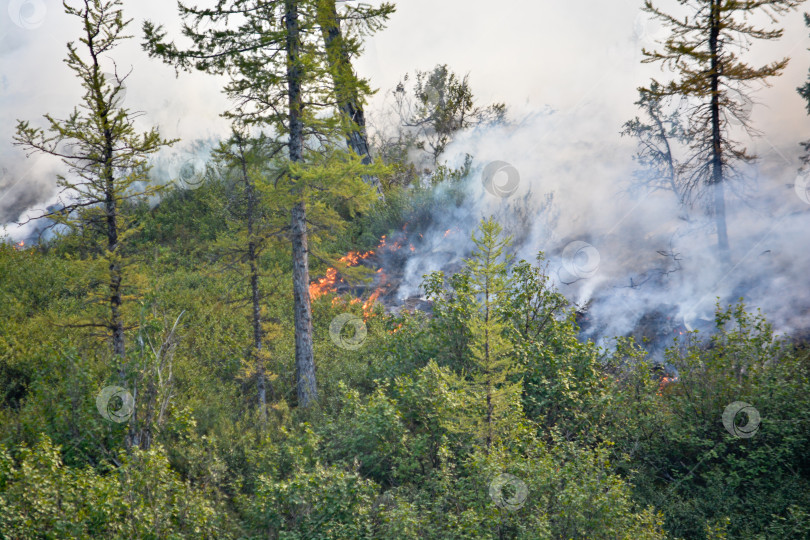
(627, 253)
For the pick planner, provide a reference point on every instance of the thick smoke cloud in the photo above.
(624, 253)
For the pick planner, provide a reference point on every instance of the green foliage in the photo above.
(492, 399)
(693, 469)
(106, 159)
(440, 105)
(318, 503)
(142, 498)
(397, 448)
(413, 429)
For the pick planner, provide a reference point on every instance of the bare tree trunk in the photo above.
(717, 140)
(306, 388)
(257, 325)
(116, 320)
(158, 392)
(345, 81)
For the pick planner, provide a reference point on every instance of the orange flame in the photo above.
(353, 257)
(327, 283)
(368, 305)
(666, 381)
(324, 285)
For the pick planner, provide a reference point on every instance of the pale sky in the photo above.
(531, 55)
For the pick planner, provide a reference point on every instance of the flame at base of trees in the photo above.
(329, 283)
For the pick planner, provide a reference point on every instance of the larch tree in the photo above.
(248, 160)
(275, 58)
(490, 348)
(704, 49)
(658, 135)
(106, 157)
(349, 90)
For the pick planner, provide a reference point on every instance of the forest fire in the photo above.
(328, 283)
(368, 305)
(19, 245)
(389, 260)
(353, 257)
(665, 382)
(396, 246)
(324, 285)
(332, 283)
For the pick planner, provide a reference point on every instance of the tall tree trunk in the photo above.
(116, 324)
(255, 295)
(306, 388)
(717, 140)
(487, 373)
(116, 320)
(111, 214)
(345, 82)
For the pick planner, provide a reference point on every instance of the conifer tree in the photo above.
(249, 159)
(274, 56)
(657, 137)
(340, 46)
(106, 157)
(702, 49)
(488, 268)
